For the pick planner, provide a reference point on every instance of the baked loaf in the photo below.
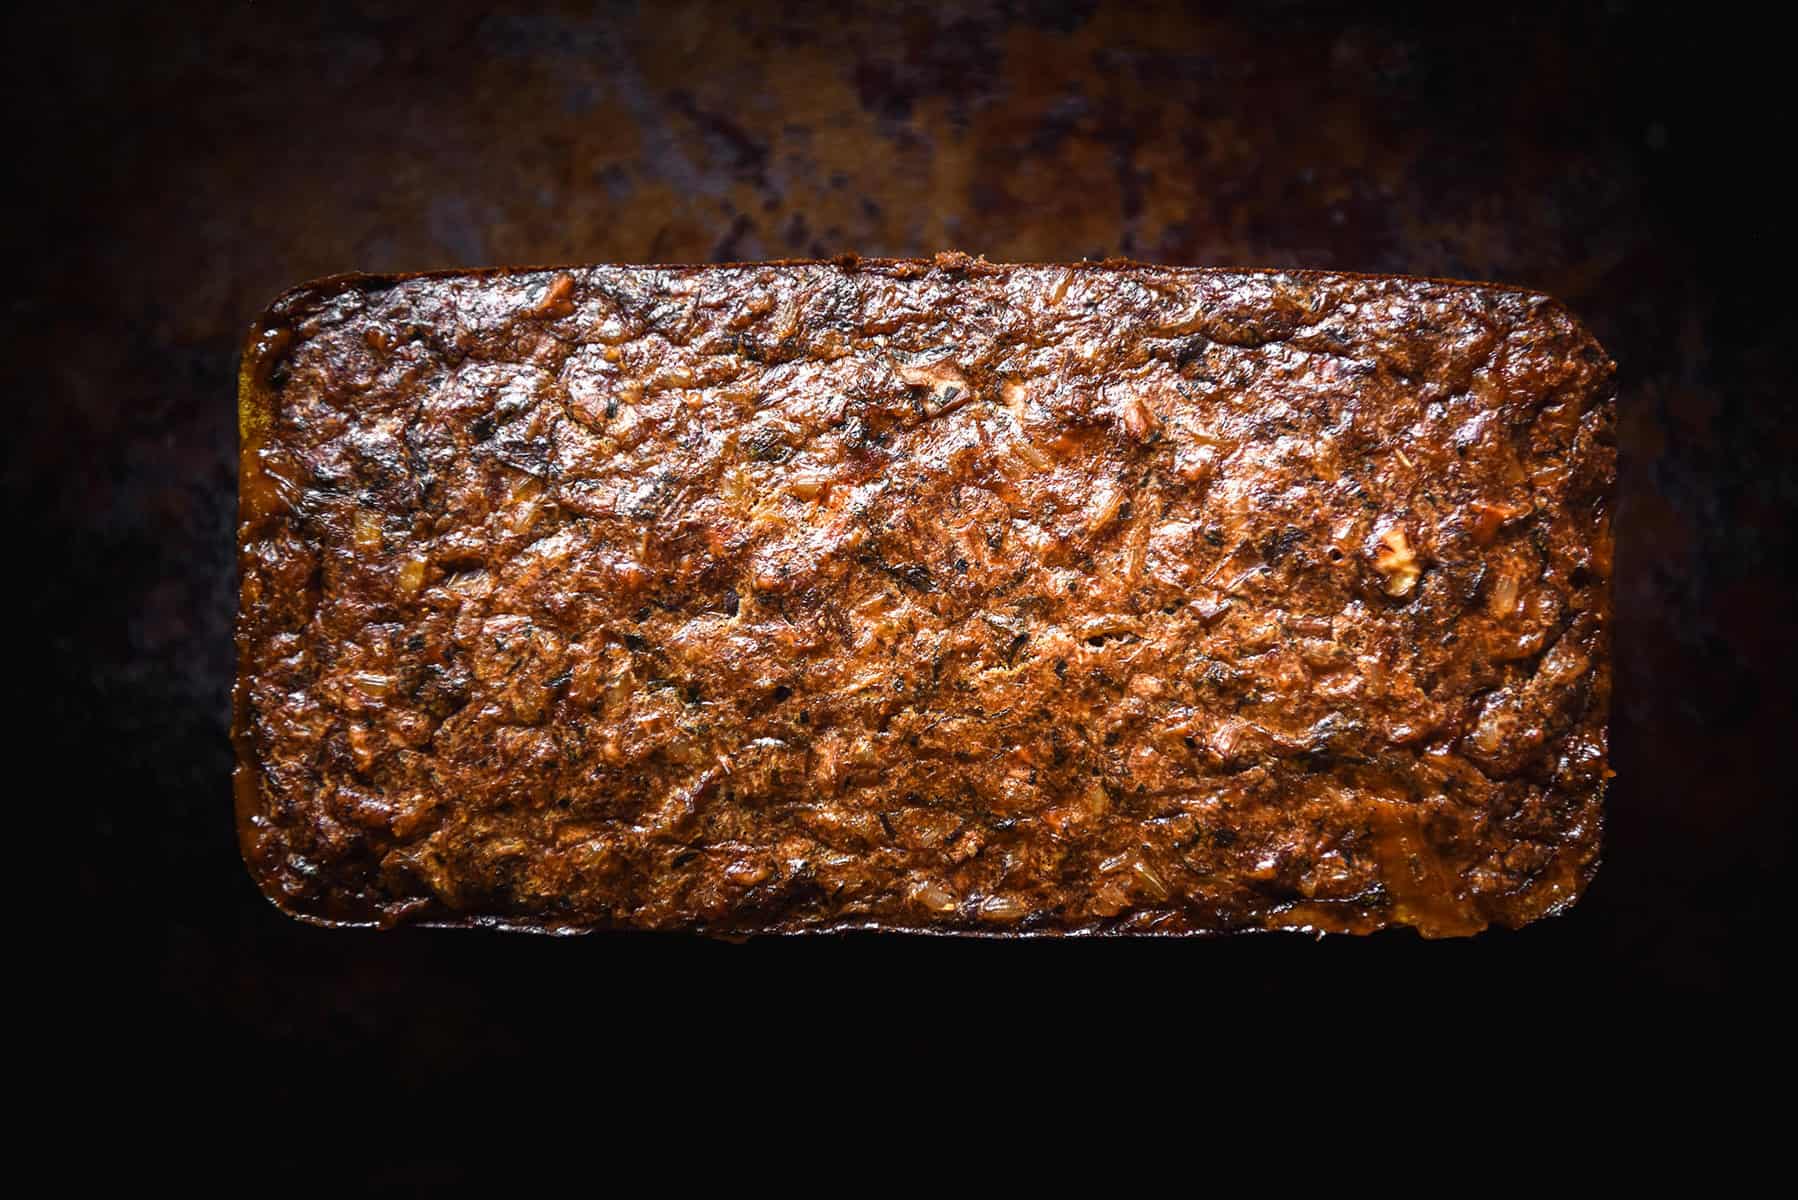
(927, 596)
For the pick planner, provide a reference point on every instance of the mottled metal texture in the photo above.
(176, 173)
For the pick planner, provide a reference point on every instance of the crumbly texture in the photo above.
(932, 596)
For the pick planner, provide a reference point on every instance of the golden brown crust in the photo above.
(933, 596)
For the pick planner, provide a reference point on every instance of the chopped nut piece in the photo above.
(809, 485)
(1103, 507)
(1152, 883)
(1139, 419)
(1486, 519)
(1031, 455)
(1497, 719)
(362, 746)
(1015, 397)
(368, 531)
(1503, 600)
(372, 683)
(1002, 908)
(1397, 563)
(1109, 900)
(934, 897)
(557, 299)
(747, 872)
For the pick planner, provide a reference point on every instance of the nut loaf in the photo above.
(933, 596)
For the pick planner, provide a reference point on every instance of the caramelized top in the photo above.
(927, 596)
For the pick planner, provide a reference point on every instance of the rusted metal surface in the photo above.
(180, 172)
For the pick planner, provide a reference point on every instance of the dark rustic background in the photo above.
(178, 167)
